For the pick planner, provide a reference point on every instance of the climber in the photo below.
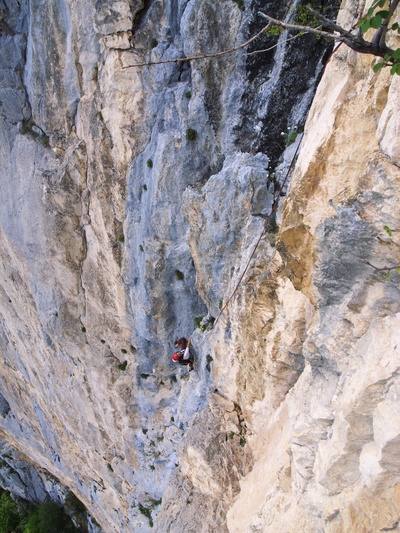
(185, 355)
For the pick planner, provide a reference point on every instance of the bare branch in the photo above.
(355, 42)
(332, 26)
(298, 27)
(203, 56)
(335, 32)
(382, 269)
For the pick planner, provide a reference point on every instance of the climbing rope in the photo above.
(264, 230)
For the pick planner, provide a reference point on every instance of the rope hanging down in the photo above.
(264, 230)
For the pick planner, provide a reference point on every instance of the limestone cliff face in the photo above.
(128, 195)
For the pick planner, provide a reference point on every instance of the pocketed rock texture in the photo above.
(130, 209)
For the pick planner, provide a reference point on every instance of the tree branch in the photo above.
(355, 42)
(298, 27)
(382, 269)
(203, 56)
(382, 32)
(335, 27)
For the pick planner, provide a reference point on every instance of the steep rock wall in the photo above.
(325, 457)
(117, 231)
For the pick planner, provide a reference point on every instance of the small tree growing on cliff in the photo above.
(376, 18)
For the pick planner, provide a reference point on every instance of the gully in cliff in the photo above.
(185, 355)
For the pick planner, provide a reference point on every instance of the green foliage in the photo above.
(132, 348)
(173, 379)
(122, 366)
(44, 140)
(83, 329)
(26, 126)
(188, 94)
(121, 238)
(272, 226)
(290, 137)
(48, 517)
(153, 43)
(305, 18)
(123, 350)
(149, 163)
(209, 358)
(373, 20)
(240, 4)
(99, 115)
(51, 517)
(220, 303)
(388, 230)
(191, 134)
(172, 419)
(144, 376)
(10, 515)
(179, 275)
(147, 513)
(74, 504)
(141, 247)
(198, 324)
(144, 187)
(95, 72)
(390, 60)
(75, 508)
(274, 31)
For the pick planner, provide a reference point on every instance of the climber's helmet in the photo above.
(175, 356)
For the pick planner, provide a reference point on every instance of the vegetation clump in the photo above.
(122, 366)
(240, 4)
(379, 17)
(95, 72)
(179, 275)
(47, 517)
(191, 134)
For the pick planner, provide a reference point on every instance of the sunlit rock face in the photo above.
(130, 205)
